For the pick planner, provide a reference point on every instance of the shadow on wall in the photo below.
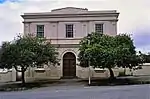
(7, 75)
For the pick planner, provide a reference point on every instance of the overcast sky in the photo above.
(134, 16)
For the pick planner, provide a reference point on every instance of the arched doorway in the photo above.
(69, 65)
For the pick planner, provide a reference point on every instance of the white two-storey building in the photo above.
(64, 28)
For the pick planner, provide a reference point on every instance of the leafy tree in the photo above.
(146, 57)
(126, 54)
(99, 50)
(105, 51)
(26, 51)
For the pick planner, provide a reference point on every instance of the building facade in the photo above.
(64, 28)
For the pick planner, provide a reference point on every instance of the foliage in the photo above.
(146, 57)
(126, 54)
(26, 51)
(104, 51)
(121, 73)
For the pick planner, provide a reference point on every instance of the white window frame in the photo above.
(99, 27)
(69, 31)
(40, 33)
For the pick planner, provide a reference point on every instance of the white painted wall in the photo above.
(8, 75)
(57, 30)
(84, 23)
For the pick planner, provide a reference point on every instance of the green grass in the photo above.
(28, 85)
(118, 81)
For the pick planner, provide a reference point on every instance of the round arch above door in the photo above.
(69, 65)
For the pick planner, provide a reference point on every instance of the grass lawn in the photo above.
(119, 81)
(28, 85)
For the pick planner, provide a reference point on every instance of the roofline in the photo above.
(69, 7)
(88, 12)
(41, 15)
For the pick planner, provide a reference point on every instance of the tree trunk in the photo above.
(23, 69)
(23, 79)
(124, 71)
(111, 74)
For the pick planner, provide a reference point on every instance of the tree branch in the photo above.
(17, 69)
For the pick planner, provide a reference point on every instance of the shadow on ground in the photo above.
(118, 81)
(75, 82)
(28, 85)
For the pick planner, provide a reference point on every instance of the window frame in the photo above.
(69, 30)
(40, 32)
(99, 28)
(40, 66)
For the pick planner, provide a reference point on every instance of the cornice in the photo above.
(114, 20)
(32, 16)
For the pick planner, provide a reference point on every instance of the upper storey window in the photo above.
(40, 31)
(69, 30)
(99, 28)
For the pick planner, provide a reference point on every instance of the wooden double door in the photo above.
(69, 65)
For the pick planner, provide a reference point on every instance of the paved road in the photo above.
(72, 92)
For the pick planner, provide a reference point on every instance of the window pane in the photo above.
(40, 30)
(40, 66)
(69, 30)
(99, 28)
(40, 34)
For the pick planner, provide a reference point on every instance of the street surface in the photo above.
(82, 92)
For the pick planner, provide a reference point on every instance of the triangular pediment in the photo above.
(69, 10)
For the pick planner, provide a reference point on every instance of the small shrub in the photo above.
(121, 74)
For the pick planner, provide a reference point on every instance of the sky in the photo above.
(134, 16)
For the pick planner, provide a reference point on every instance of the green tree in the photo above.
(26, 51)
(146, 57)
(126, 54)
(99, 50)
(105, 51)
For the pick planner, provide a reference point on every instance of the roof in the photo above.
(72, 10)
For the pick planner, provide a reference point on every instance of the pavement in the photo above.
(82, 92)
